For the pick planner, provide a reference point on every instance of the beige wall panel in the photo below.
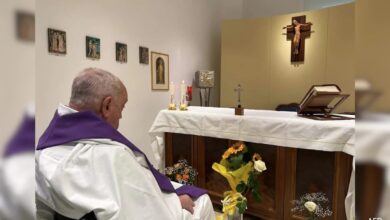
(289, 81)
(245, 55)
(260, 53)
(340, 59)
(373, 46)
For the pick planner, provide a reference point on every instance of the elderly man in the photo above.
(84, 165)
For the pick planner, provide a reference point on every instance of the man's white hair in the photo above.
(91, 86)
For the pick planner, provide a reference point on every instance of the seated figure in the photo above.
(84, 165)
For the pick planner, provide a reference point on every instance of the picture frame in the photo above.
(121, 52)
(56, 41)
(160, 71)
(92, 48)
(25, 26)
(143, 55)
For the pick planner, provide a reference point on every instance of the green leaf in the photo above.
(235, 161)
(256, 196)
(241, 207)
(225, 163)
(251, 180)
(241, 187)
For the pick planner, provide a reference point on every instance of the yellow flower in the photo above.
(226, 155)
(241, 148)
(237, 147)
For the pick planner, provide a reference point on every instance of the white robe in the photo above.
(106, 177)
(16, 187)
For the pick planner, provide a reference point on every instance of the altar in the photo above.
(302, 155)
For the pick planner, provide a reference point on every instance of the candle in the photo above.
(172, 89)
(183, 90)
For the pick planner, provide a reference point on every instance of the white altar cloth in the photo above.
(284, 129)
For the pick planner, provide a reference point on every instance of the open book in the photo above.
(320, 101)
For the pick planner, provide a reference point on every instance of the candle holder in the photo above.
(172, 104)
(183, 95)
(183, 105)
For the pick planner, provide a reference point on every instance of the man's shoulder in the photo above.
(82, 147)
(81, 153)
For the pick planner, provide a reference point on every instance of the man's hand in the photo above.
(187, 203)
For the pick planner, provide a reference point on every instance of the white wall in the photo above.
(319, 4)
(187, 30)
(264, 8)
(17, 74)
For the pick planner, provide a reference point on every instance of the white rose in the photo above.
(260, 166)
(310, 206)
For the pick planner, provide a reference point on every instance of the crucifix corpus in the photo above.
(297, 32)
(239, 110)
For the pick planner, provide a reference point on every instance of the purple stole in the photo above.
(23, 139)
(87, 125)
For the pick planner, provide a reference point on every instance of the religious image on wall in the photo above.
(160, 71)
(143, 55)
(25, 26)
(92, 49)
(121, 52)
(297, 32)
(56, 41)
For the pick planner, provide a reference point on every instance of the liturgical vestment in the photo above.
(108, 178)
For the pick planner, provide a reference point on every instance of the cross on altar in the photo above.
(238, 90)
(297, 32)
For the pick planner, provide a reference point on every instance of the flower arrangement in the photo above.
(312, 205)
(181, 172)
(241, 171)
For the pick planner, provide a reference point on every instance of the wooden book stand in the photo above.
(319, 103)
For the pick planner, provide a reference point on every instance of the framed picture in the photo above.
(56, 41)
(160, 71)
(25, 26)
(92, 47)
(143, 55)
(121, 52)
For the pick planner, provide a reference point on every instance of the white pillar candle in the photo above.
(183, 88)
(172, 89)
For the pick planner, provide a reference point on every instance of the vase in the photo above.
(236, 216)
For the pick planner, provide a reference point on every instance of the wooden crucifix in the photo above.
(297, 32)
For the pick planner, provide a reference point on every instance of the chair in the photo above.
(292, 107)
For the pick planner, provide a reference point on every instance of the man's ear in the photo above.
(106, 105)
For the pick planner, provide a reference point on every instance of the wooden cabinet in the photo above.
(290, 173)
